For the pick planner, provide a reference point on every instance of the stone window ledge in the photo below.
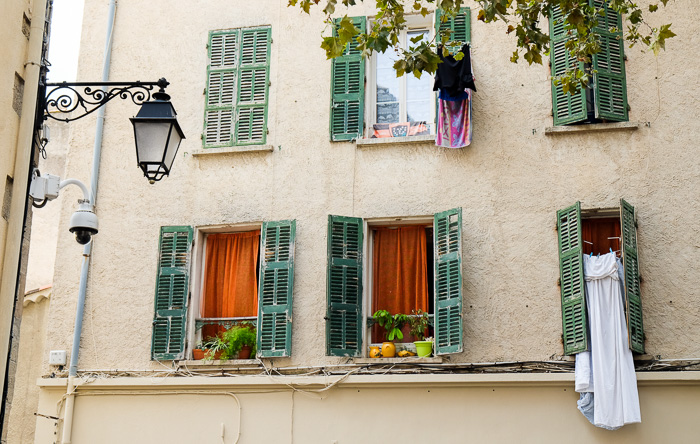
(396, 140)
(592, 128)
(216, 363)
(406, 360)
(232, 149)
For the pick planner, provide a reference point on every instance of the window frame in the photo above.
(416, 22)
(198, 268)
(367, 260)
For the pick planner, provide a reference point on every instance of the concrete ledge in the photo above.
(396, 140)
(406, 380)
(232, 149)
(217, 364)
(592, 128)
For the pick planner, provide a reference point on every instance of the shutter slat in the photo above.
(348, 91)
(276, 288)
(344, 286)
(567, 108)
(172, 284)
(447, 234)
(635, 324)
(573, 300)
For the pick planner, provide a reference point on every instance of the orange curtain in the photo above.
(400, 272)
(230, 277)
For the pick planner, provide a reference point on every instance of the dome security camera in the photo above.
(83, 223)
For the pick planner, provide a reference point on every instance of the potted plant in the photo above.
(240, 341)
(419, 322)
(198, 351)
(392, 326)
(215, 346)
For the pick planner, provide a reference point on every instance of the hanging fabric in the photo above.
(230, 277)
(605, 375)
(455, 81)
(399, 271)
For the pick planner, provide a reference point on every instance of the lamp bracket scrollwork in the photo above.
(64, 98)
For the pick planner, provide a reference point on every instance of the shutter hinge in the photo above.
(201, 136)
(272, 41)
(204, 92)
(559, 282)
(625, 57)
(640, 279)
(325, 318)
(269, 83)
(629, 108)
(551, 112)
(267, 131)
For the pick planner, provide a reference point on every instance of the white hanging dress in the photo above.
(608, 369)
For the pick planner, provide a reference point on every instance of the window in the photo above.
(348, 305)
(245, 274)
(400, 106)
(401, 271)
(606, 97)
(392, 102)
(237, 87)
(607, 229)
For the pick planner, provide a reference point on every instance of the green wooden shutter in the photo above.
(609, 83)
(348, 91)
(566, 108)
(254, 72)
(447, 236)
(460, 25)
(168, 339)
(635, 325)
(276, 288)
(344, 287)
(573, 299)
(221, 89)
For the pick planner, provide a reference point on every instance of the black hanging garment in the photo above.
(454, 76)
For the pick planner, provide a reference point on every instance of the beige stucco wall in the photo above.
(31, 350)
(372, 409)
(509, 182)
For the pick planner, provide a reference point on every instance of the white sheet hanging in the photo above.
(612, 377)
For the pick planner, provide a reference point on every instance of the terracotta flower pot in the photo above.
(245, 352)
(197, 354)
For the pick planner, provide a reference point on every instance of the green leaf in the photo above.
(653, 8)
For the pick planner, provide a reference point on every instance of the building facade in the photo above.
(280, 166)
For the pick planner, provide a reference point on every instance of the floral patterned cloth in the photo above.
(454, 122)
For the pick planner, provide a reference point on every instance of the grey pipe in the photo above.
(87, 249)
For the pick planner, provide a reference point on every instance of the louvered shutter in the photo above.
(348, 91)
(609, 83)
(251, 107)
(447, 234)
(276, 288)
(460, 25)
(344, 287)
(566, 108)
(573, 299)
(221, 89)
(635, 325)
(168, 339)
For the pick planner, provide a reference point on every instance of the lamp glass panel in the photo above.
(151, 138)
(173, 144)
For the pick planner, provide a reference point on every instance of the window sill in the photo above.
(203, 364)
(232, 149)
(592, 128)
(406, 360)
(396, 140)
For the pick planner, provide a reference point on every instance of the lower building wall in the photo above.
(537, 408)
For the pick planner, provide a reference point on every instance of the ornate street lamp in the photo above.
(157, 133)
(158, 136)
